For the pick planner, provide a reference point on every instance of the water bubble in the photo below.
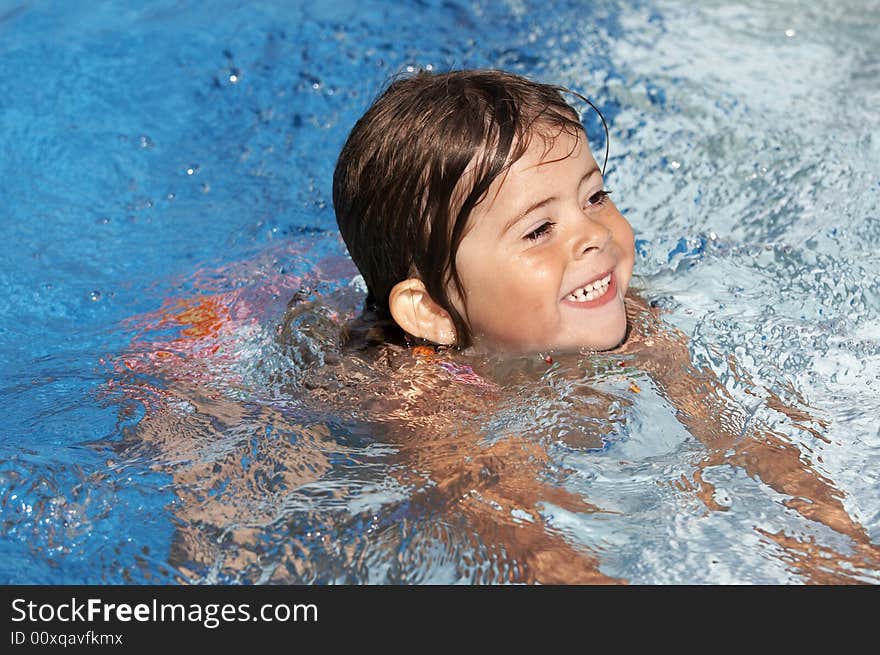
(234, 76)
(675, 165)
(170, 196)
(94, 296)
(104, 220)
(205, 187)
(144, 141)
(192, 170)
(790, 33)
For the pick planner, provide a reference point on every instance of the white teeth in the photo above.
(591, 291)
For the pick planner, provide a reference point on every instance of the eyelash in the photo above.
(544, 229)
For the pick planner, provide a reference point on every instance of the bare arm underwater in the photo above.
(705, 407)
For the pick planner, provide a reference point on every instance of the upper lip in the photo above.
(590, 281)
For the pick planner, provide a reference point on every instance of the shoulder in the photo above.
(638, 307)
(643, 324)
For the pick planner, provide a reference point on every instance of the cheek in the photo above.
(534, 276)
(628, 240)
(514, 293)
(625, 239)
(622, 232)
(623, 236)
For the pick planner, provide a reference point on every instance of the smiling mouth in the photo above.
(592, 290)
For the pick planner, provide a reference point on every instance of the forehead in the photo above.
(548, 148)
(548, 156)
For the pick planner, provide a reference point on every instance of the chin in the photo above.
(611, 345)
(612, 336)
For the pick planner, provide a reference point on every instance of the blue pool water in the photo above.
(155, 155)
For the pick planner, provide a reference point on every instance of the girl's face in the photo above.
(548, 257)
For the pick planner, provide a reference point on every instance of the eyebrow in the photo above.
(542, 203)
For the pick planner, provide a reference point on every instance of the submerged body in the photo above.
(426, 420)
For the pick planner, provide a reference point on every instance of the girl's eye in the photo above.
(540, 232)
(599, 197)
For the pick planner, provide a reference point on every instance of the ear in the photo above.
(415, 311)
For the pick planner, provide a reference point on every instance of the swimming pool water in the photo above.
(152, 155)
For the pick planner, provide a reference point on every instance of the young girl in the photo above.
(497, 271)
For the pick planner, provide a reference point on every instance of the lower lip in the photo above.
(605, 298)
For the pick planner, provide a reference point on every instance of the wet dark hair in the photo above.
(399, 205)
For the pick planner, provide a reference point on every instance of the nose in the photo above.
(591, 237)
